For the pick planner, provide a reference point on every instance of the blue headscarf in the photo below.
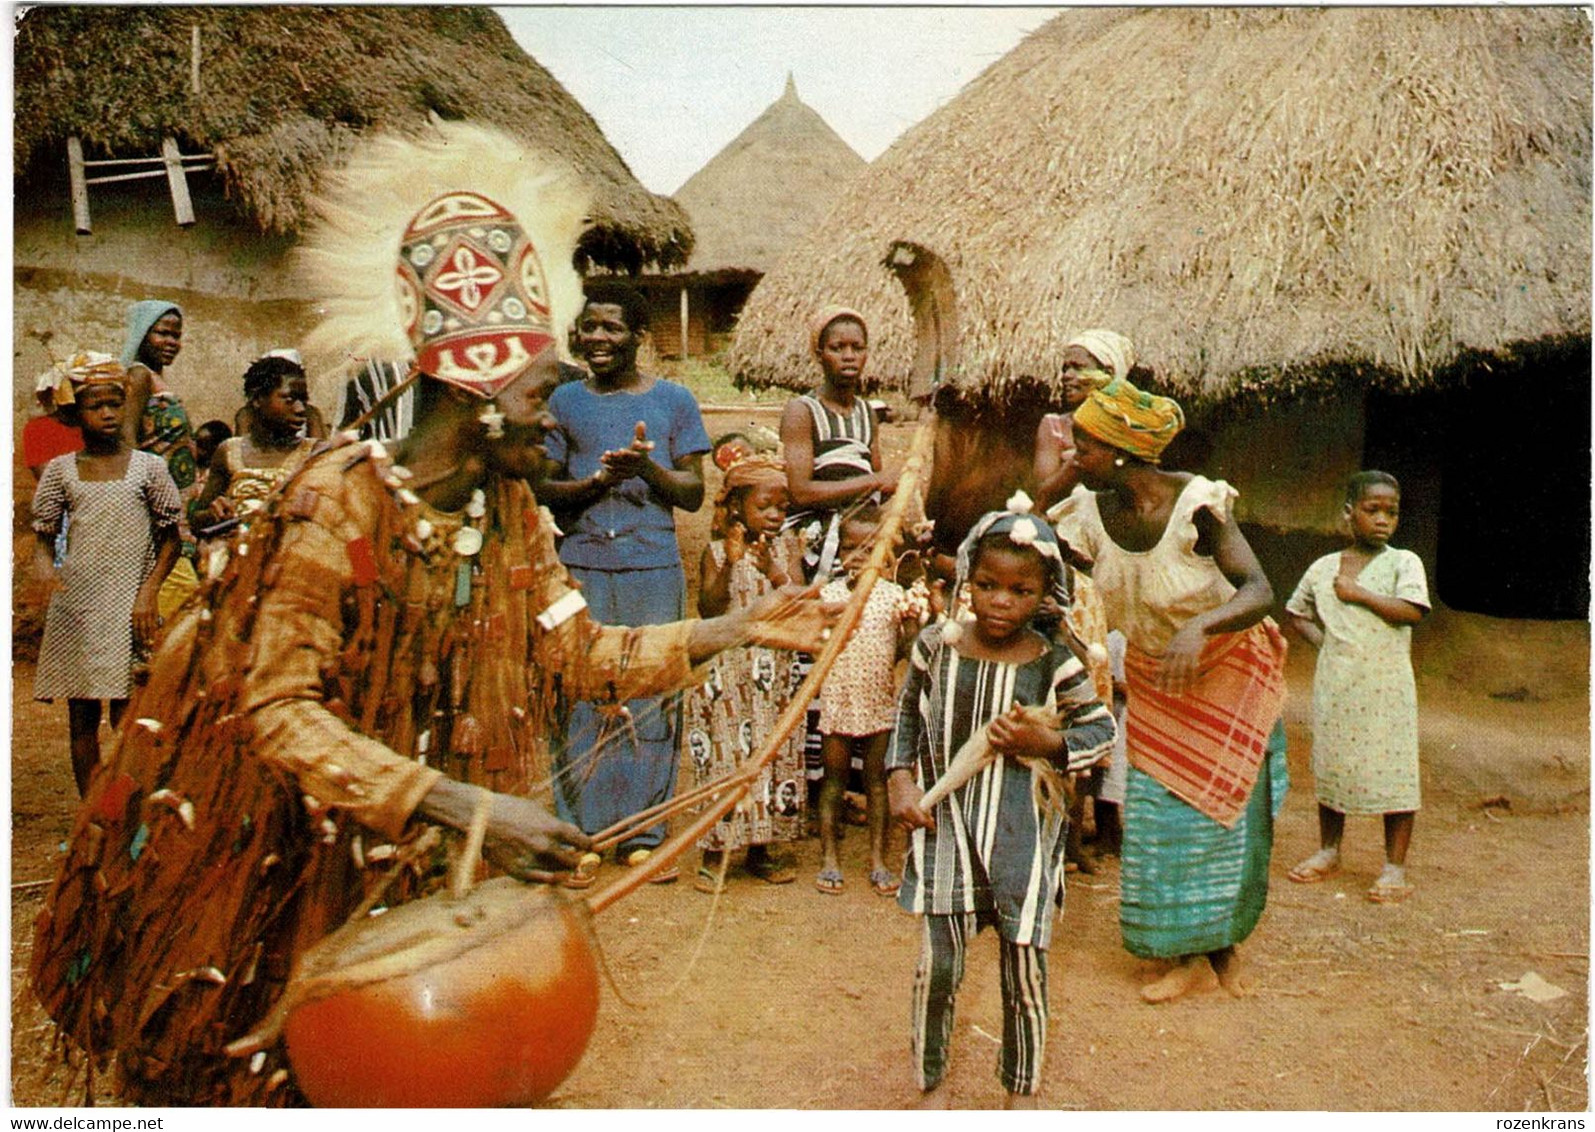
(140, 317)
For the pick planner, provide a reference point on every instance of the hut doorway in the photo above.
(1509, 532)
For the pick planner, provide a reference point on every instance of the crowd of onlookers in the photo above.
(1109, 641)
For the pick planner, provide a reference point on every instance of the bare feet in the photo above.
(1231, 975)
(1021, 1100)
(1151, 970)
(1193, 973)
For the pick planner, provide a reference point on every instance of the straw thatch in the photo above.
(771, 184)
(1258, 197)
(284, 91)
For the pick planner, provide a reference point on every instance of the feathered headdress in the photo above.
(498, 223)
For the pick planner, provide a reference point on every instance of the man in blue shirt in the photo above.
(628, 453)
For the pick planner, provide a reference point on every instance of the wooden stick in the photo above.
(80, 188)
(177, 179)
(471, 851)
(797, 709)
(642, 819)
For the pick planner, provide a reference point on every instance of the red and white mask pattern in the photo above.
(472, 293)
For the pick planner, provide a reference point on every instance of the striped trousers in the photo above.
(1024, 1003)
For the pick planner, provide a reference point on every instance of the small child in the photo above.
(992, 851)
(730, 715)
(122, 543)
(1357, 608)
(857, 704)
(207, 438)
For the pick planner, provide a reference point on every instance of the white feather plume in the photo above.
(348, 255)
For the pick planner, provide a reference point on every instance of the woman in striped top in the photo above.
(991, 852)
(828, 440)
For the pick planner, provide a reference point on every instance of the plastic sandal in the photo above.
(884, 882)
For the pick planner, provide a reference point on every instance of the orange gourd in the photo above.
(486, 1000)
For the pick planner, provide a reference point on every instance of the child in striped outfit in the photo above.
(992, 852)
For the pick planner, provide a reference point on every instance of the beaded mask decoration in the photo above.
(472, 293)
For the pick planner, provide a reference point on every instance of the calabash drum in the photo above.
(487, 1000)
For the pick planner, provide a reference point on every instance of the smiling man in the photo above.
(629, 453)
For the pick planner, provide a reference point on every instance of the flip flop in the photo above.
(1383, 892)
(884, 882)
(708, 881)
(829, 882)
(669, 875)
(585, 873)
(1314, 869)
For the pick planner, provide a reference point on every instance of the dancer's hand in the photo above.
(523, 838)
(792, 618)
(528, 842)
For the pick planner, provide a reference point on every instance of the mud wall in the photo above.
(69, 292)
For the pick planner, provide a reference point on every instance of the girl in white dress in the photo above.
(1357, 607)
(121, 544)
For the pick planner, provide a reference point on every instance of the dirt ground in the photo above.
(800, 1001)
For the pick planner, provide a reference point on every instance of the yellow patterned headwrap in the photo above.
(86, 367)
(1131, 419)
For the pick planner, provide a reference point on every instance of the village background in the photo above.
(1343, 237)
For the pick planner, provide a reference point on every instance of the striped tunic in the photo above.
(993, 852)
(842, 447)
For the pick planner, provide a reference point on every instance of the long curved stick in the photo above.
(741, 781)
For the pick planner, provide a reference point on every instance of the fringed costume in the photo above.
(357, 644)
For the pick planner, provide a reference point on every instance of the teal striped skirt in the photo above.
(1187, 884)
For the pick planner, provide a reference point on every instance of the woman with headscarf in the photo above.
(829, 441)
(1090, 359)
(1204, 670)
(158, 423)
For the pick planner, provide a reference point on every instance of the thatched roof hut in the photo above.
(1260, 198)
(772, 183)
(767, 187)
(283, 91)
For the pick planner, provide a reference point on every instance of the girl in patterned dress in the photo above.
(747, 689)
(1357, 607)
(857, 706)
(991, 853)
(121, 544)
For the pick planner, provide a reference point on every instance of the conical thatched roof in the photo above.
(771, 184)
(1253, 195)
(285, 90)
